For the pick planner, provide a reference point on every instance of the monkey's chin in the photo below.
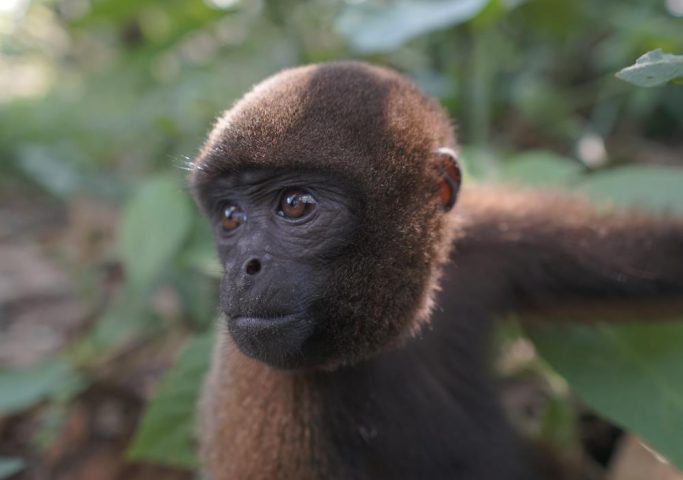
(278, 341)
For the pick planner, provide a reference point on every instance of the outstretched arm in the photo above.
(546, 252)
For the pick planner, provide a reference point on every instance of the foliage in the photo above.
(541, 169)
(381, 27)
(165, 435)
(653, 69)
(23, 388)
(656, 188)
(113, 97)
(155, 222)
(619, 370)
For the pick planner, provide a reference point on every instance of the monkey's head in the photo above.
(329, 189)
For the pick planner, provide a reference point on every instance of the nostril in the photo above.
(252, 267)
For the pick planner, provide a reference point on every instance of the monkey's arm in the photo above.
(545, 252)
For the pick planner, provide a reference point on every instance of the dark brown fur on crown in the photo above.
(429, 408)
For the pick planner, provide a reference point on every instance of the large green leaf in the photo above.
(20, 389)
(655, 188)
(9, 466)
(166, 433)
(653, 69)
(155, 222)
(374, 26)
(632, 374)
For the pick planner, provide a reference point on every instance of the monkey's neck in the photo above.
(403, 415)
(257, 422)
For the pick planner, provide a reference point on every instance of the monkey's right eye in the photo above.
(233, 217)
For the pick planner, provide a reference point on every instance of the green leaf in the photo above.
(199, 252)
(653, 69)
(166, 432)
(198, 293)
(155, 223)
(23, 388)
(44, 166)
(9, 466)
(656, 188)
(374, 26)
(127, 318)
(631, 374)
(541, 169)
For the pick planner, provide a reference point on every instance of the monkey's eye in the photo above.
(233, 217)
(296, 203)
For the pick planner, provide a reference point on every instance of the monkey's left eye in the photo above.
(296, 203)
(233, 217)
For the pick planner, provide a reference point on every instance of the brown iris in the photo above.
(296, 203)
(233, 217)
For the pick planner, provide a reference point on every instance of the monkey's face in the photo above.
(328, 200)
(279, 236)
(306, 283)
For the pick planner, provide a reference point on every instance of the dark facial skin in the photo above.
(278, 234)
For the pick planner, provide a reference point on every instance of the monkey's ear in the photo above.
(450, 179)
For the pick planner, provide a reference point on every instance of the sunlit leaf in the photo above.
(654, 68)
(155, 222)
(373, 26)
(631, 374)
(165, 435)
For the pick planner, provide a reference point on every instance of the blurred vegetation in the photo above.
(103, 102)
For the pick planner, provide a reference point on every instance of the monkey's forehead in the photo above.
(345, 115)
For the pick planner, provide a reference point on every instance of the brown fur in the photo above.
(258, 422)
(385, 407)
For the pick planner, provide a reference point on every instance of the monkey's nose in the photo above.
(252, 266)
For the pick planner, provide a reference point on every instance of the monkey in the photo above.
(361, 283)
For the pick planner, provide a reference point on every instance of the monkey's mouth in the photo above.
(277, 340)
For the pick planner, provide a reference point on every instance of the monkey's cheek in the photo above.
(276, 341)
